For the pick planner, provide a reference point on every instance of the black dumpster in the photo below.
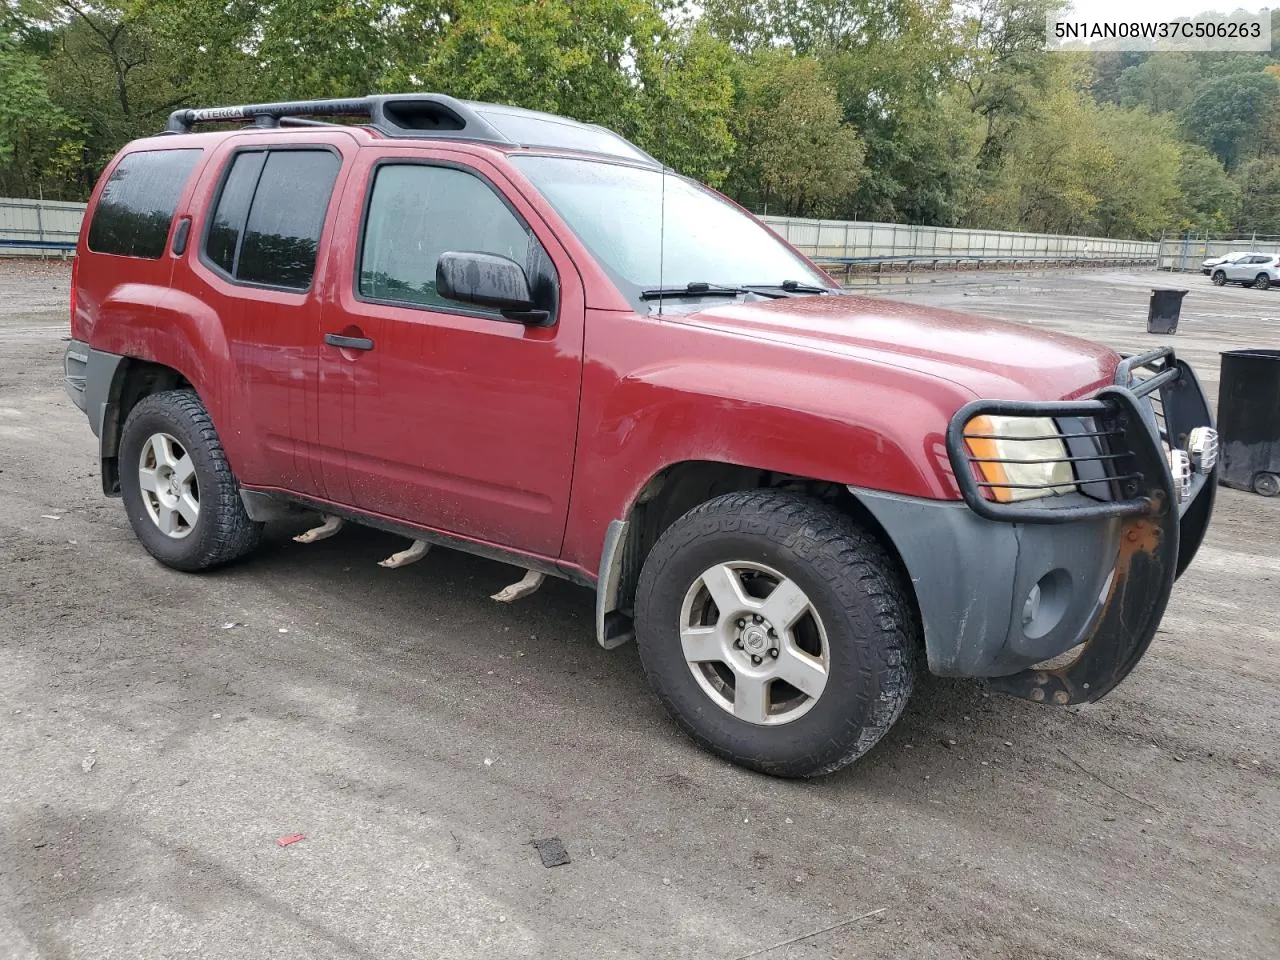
(1249, 420)
(1166, 307)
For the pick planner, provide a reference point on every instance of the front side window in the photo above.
(417, 212)
(267, 221)
(135, 208)
(650, 229)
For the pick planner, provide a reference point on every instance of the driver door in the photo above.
(448, 415)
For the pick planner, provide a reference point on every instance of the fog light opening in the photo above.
(1046, 604)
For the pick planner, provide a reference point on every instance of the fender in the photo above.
(183, 333)
(747, 403)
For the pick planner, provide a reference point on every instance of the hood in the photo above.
(994, 359)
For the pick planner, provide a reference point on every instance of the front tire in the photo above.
(180, 495)
(1219, 278)
(777, 632)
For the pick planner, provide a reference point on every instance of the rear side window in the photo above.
(233, 209)
(267, 221)
(135, 208)
(418, 212)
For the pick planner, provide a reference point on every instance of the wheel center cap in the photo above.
(754, 638)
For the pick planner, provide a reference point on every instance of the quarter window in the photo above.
(266, 225)
(135, 208)
(418, 212)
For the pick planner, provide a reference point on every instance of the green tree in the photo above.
(1139, 195)
(1004, 68)
(617, 63)
(39, 143)
(1049, 173)
(1164, 83)
(796, 154)
(1260, 197)
(1210, 198)
(1228, 113)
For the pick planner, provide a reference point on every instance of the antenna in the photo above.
(662, 227)
(662, 201)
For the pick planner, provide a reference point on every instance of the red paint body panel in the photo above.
(455, 422)
(534, 439)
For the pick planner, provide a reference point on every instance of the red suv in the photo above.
(520, 336)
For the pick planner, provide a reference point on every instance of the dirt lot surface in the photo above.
(160, 731)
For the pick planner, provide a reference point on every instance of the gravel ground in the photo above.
(160, 731)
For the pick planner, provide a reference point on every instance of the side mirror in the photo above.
(488, 280)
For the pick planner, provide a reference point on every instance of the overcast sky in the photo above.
(1158, 9)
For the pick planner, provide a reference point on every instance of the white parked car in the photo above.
(1259, 270)
(1207, 266)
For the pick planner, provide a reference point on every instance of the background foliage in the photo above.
(915, 111)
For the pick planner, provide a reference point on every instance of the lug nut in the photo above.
(755, 659)
(738, 643)
(773, 632)
(773, 652)
(741, 622)
(757, 618)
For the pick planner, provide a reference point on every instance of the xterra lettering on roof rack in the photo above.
(427, 116)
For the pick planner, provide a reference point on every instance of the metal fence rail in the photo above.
(857, 245)
(39, 227)
(45, 227)
(1185, 254)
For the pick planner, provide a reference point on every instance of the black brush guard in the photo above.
(1125, 426)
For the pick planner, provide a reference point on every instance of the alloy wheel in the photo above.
(754, 642)
(170, 491)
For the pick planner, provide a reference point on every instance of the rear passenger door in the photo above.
(1246, 269)
(258, 256)
(453, 417)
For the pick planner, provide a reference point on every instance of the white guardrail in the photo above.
(50, 227)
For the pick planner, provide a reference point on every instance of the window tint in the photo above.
(417, 213)
(136, 206)
(232, 209)
(266, 225)
(283, 232)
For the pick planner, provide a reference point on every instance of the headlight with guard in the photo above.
(1020, 458)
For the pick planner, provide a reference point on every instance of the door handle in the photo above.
(348, 343)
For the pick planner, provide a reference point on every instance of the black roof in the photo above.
(427, 116)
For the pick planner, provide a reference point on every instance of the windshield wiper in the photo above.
(790, 286)
(696, 289)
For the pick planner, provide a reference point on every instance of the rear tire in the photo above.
(1261, 282)
(722, 657)
(1219, 278)
(180, 495)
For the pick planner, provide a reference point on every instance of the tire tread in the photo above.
(860, 571)
(233, 534)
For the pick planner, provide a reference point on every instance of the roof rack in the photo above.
(405, 115)
(425, 115)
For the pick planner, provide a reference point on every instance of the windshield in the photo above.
(617, 212)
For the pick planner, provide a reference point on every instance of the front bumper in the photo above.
(1003, 588)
